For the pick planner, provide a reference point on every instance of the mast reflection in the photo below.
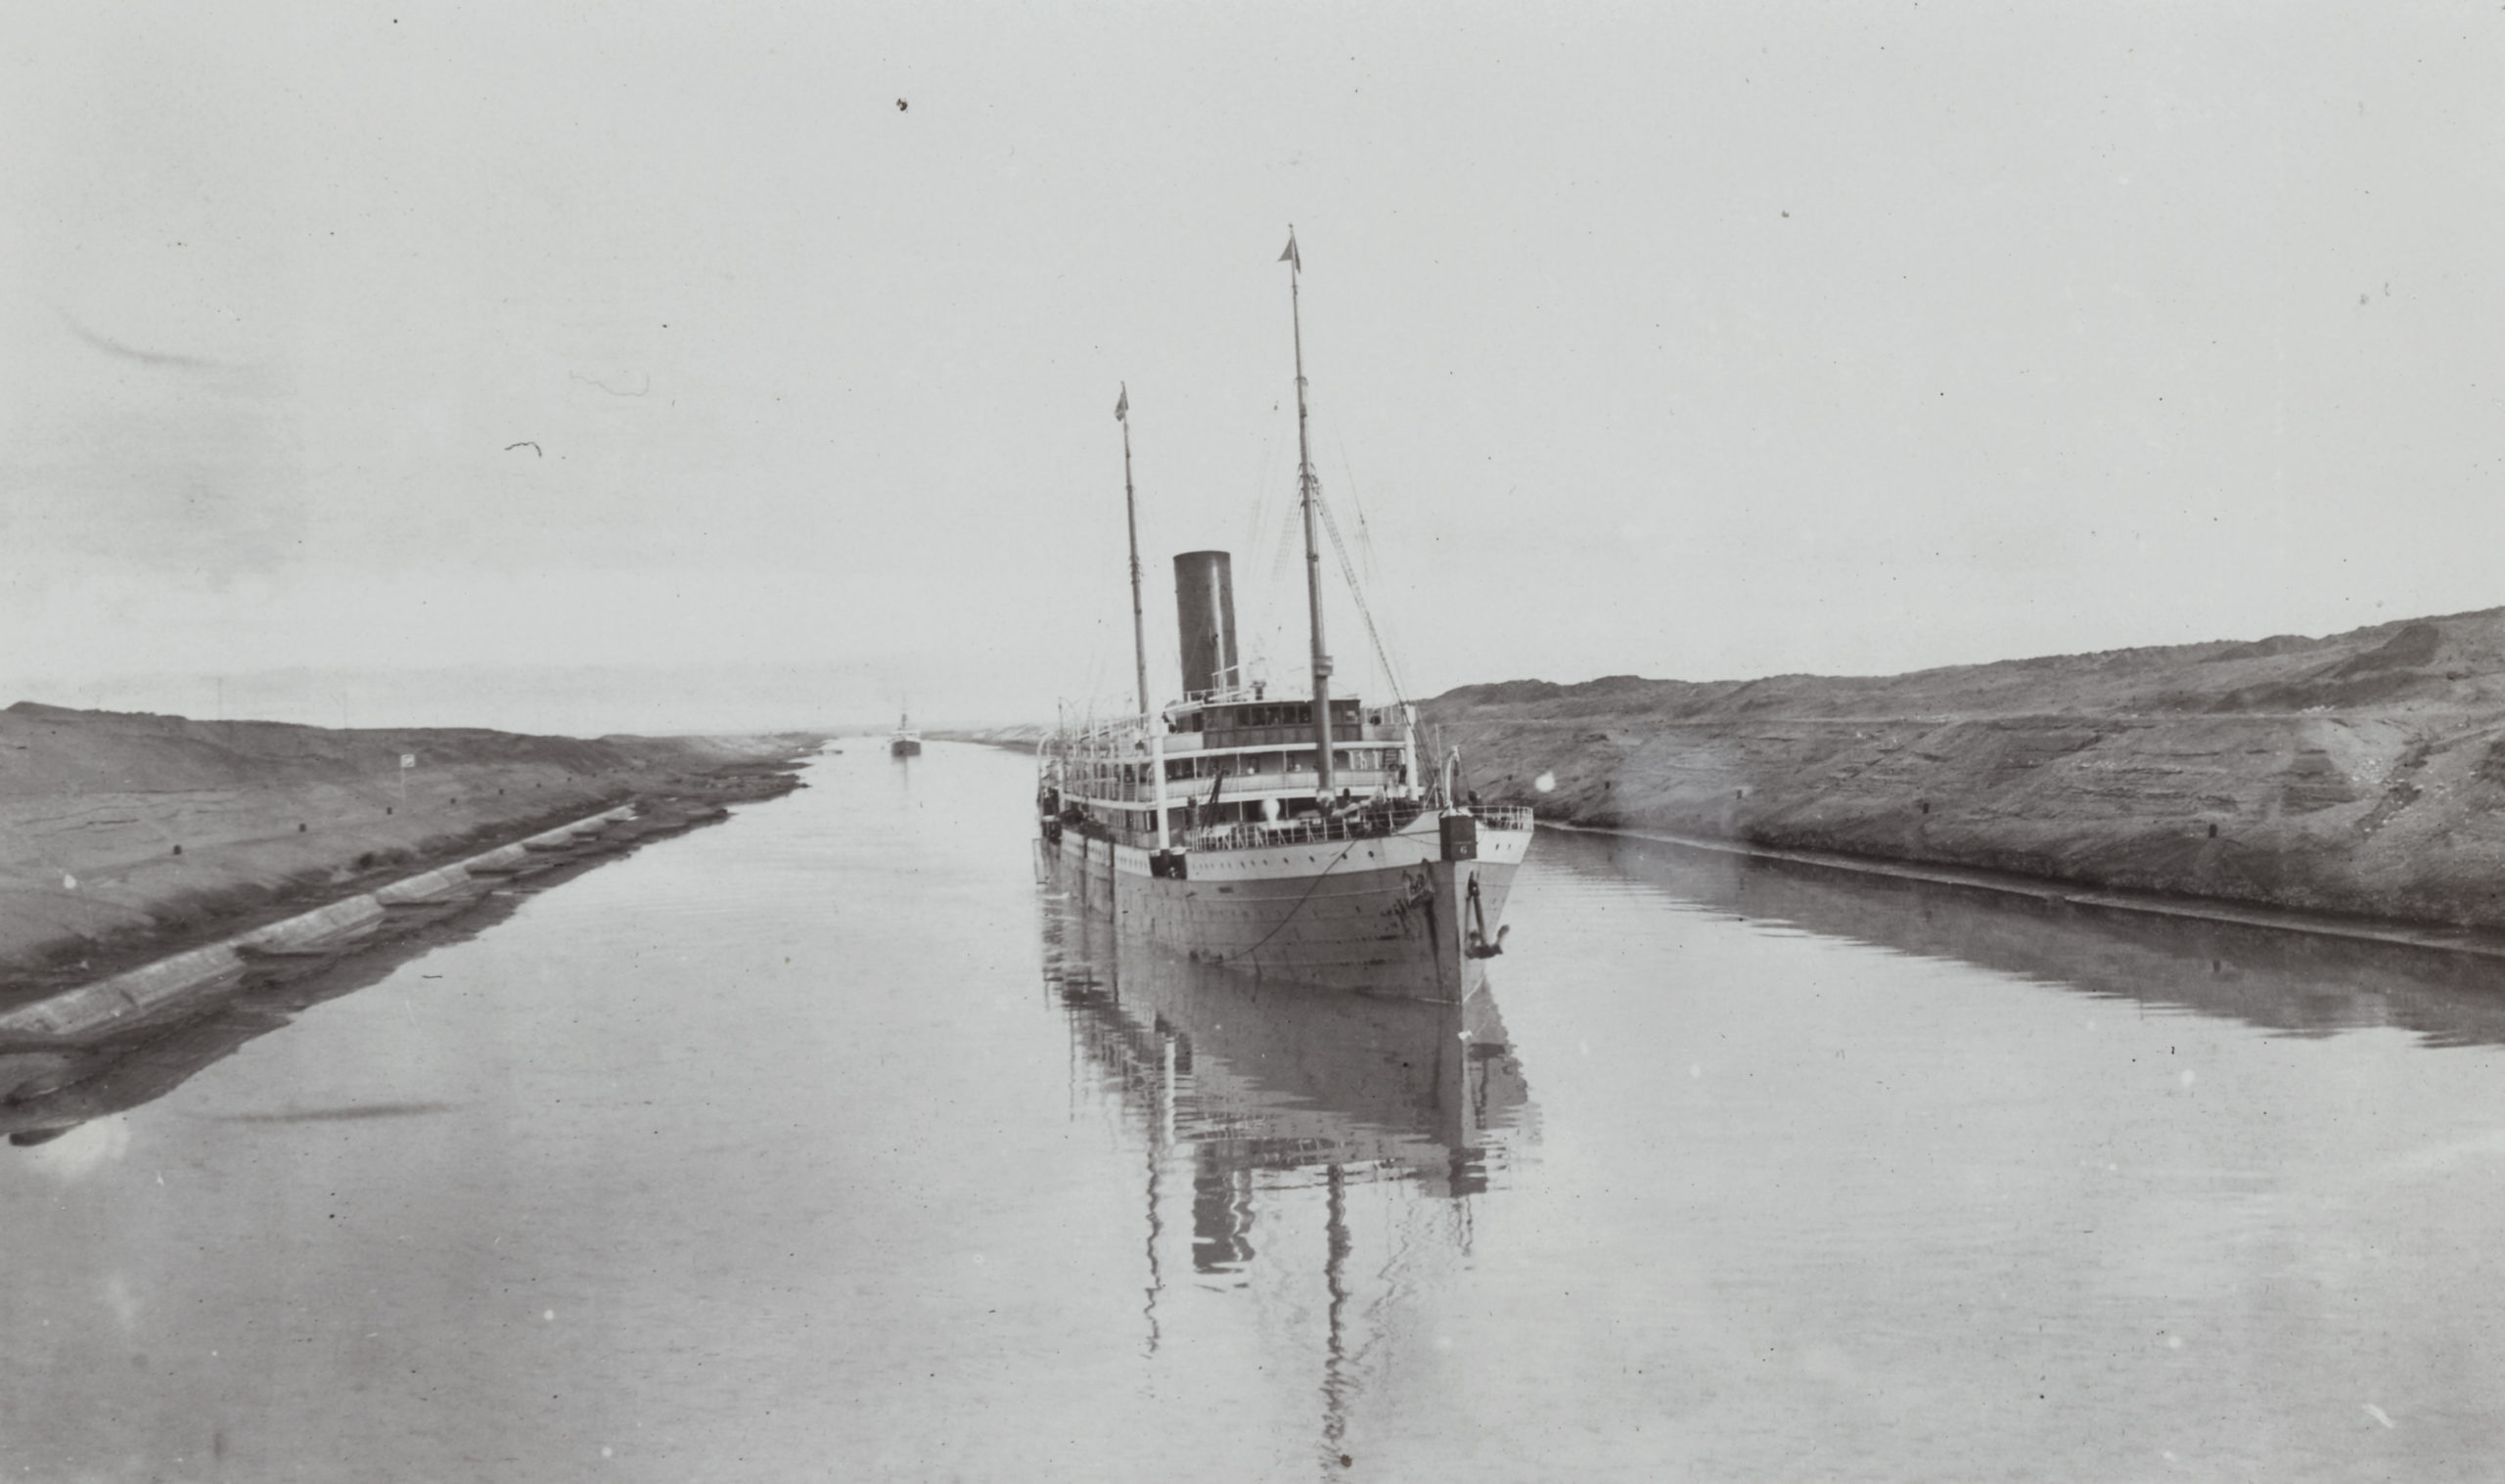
(1264, 1095)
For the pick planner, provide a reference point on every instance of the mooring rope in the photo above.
(1299, 904)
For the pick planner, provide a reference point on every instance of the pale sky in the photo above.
(1698, 340)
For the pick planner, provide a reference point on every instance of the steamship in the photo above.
(1299, 838)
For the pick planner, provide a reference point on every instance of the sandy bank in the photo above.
(126, 837)
(2360, 774)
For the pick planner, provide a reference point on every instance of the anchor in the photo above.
(1477, 944)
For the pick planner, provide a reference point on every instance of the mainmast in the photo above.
(1131, 507)
(1310, 491)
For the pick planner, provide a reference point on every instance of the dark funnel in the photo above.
(1205, 614)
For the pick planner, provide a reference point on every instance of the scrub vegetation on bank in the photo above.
(2363, 773)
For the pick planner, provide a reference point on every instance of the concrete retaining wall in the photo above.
(154, 986)
(91, 1006)
(311, 931)
(432, 886)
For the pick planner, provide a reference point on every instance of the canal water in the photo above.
(828, 1143)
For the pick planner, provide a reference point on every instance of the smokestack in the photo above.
(1205, 613)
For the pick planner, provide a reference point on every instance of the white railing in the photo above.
(1221, 696)
(1366, 825)
(1240, 788)
(1362, 825)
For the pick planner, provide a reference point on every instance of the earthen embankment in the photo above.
(2362, 773)
(126, 837)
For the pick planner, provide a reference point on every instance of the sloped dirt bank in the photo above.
(2360, 774)
(125, 839)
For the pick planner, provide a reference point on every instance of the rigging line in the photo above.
(1348, 572)
(1095, 673)
(1357, 501)
(1367, 560)
(1283, 547)
(1276, 599)
(1260, 495)
(1356, 593)
(1267, 594)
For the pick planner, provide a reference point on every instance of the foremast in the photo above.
(1155, 742)
(1131, 511)
(1309, 492)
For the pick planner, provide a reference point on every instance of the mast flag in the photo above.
(1290, 255)
(1122, 407)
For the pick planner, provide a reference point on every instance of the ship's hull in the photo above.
(1259, 1075)
(904, 747)
(1384, 915)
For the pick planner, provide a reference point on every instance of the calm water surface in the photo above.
(826, 1143)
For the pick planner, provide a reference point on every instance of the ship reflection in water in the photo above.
(1256, 1093)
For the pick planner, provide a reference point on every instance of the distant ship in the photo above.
(1296, 838)
(906, 743)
